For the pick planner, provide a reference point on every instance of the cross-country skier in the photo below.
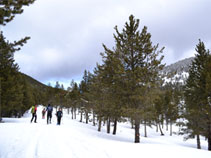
(49, 111)
(59, 116)
(34, 113)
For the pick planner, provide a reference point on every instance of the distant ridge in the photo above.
(180, 66)
(34, 83)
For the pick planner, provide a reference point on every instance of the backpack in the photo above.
(33, 109)
(49, 109)
(59, 113)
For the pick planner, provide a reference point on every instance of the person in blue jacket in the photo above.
(59, 115)
(49, 111)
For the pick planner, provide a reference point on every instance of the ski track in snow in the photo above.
(21, 139)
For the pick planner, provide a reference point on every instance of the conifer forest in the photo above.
(130, 84)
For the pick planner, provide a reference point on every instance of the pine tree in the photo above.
(8, 69)
(98, 95)
(196, 101)
(10, 78)
(112, 71)
(141, 66)
(207, 103)
(9, 9)
(73, 96)
(57, 85)
(159, 103)
(172, 100)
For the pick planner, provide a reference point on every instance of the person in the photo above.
(49, 111)
(34, 113)
(59, 116)
(43, 113)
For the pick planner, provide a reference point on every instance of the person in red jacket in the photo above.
(34, 113)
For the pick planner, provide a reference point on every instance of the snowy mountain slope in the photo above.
(180, 66)
(177, 72)
(21, 139)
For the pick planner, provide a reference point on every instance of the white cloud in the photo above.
(67, 35)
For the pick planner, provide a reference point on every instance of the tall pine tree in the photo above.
(142, 64)
(197, 106)
(9, 77)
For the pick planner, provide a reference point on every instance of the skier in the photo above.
(49, 113)
(59, 116)
(43, 113)
(34, 113)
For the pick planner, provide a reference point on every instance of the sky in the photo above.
(67, 35)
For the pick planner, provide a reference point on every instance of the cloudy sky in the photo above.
(67, 35)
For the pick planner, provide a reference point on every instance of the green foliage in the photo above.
(18, 91)
(11, 88)
(197, 100)
(141, 62)
(72, 96)
(11, 95)
(9, 8)
(124, 85)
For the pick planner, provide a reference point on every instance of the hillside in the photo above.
(180, 66)
(34, 83)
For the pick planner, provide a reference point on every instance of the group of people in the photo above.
(49, 111)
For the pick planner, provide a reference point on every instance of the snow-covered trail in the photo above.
(21, 139)
(39, 140)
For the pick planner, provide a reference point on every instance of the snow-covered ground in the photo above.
(21, 139)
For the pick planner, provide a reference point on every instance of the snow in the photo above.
(72, 139)
(179, 77)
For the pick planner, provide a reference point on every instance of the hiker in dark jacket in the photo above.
(34, 113)
(43, 113)
(59, 116)
(49, 111)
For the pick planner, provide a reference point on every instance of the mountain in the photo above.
(180, 66)
(34, 83)
(178, 72)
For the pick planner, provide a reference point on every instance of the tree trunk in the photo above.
(108, 125)
(145, 128)
(75, 113)
(132, 124)
(115, 126)
(156, 127)
(209, 143)
(162, 121)
(93, 119)
(99, 125)
(198, 141)
(87, 117)
(137, 134)
(0, 101)
(167, 125)
(72, 112)
(170, 128)
(161, 132)
(209, 135)
(81, 117)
